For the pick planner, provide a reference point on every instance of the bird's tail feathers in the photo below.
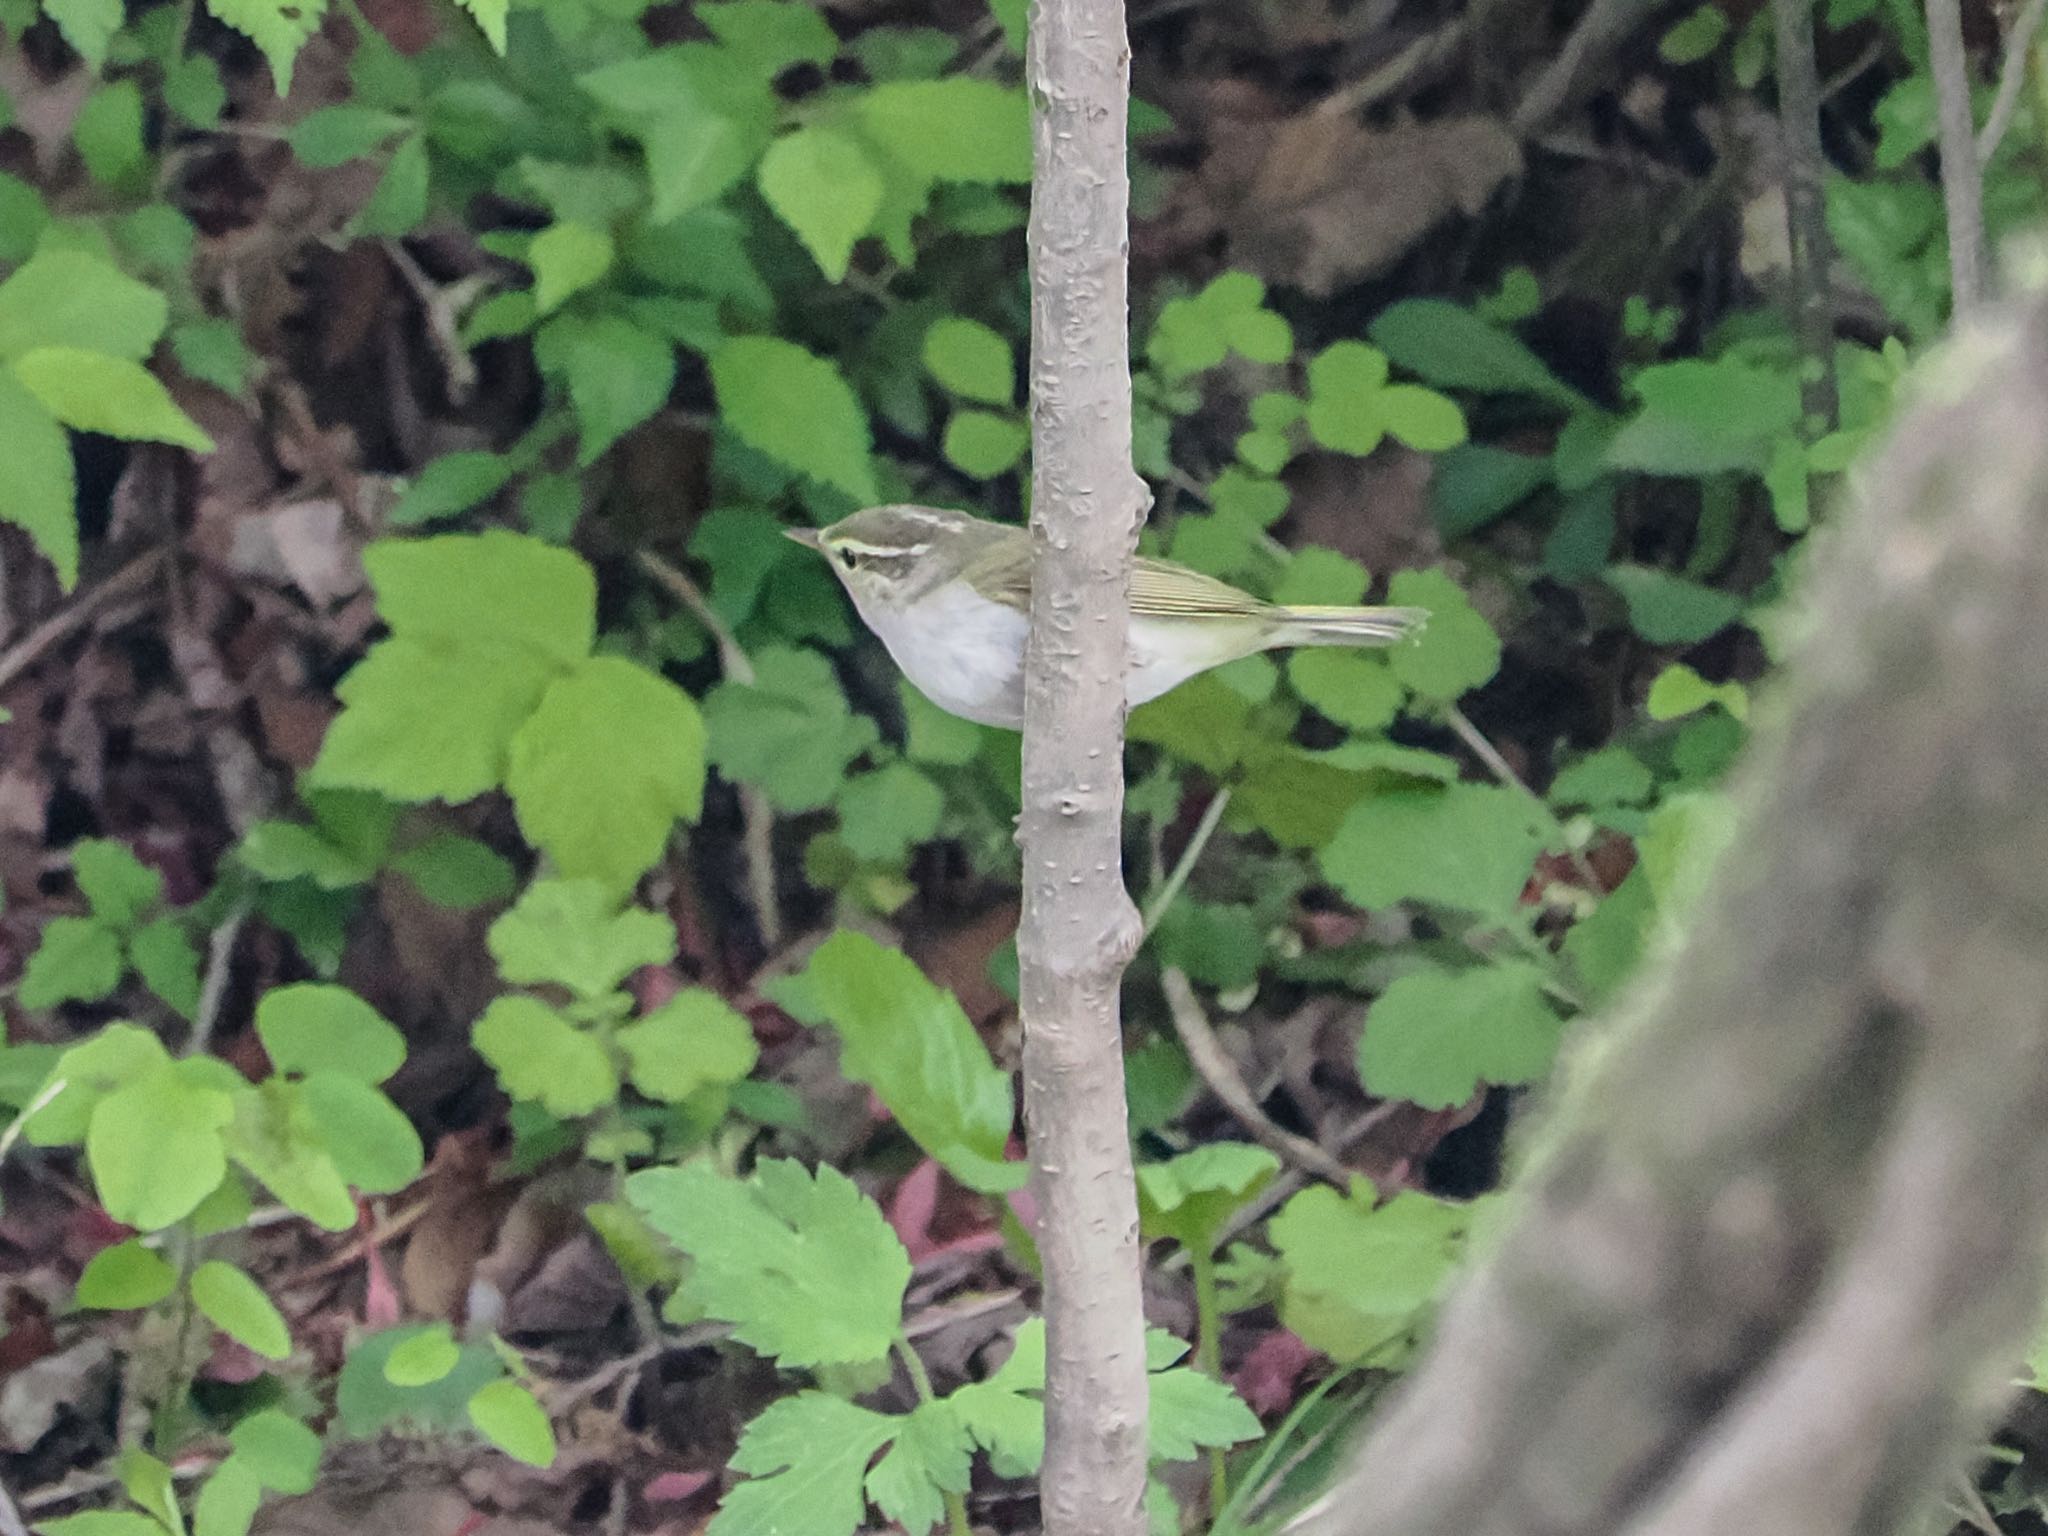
(1307, 625)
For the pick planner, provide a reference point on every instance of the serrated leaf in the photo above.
(498, 586)
(806, 1456)
(92, 392)
(790, 732)
(572, 933)
(1190, 1412)
(692, 1040)
(909, 1040)
(1453, 348)
(1350, 687)
(125, 1276)
(398, 203)
(797, 408)
(610, 760)
(1469, 846)
(63, 297)
(804, 1266)
(336, 135)
(1358, 1274)
(1434, 1036)
(490, 20)
(278, 27)
(884, 814)
(771, 35)
(826, 187)
(313, 1027)
(1189, 1198)
(932, 1457)
(452, 484)
(40, 491)
(540, 1056)
(618, 375)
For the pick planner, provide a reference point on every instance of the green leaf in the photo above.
(451, 484)
(490, 18)
(933, 1456)
(212, 352)
(958, 129)
(102, 1522)
(1469, 846)
(227, 1502)
(572, 933)
(372, 1144)
(1669, 610)
(790, 732)
(119, 886)
(457, 872)
(1679, 691)
(806, 1457)
(167, 963)
(1423, 419)
(77, 959)
(157, 238)
(1476, 483)
(1702, 417)
(768, 36)
(933, 736)
(1189, 1198)
(797, 408)
(336, 135)
(1358, 1275)
(512, 1419)
(1350, 687)
(125, 1276)
(883, 815)
(64, 297)
(39, 491)
(1191, 1412)
(1457, 650)
(1694, 38)
(540, 1056)
(108, 134)
(1454, 349)
(91, 392)
(971, 360)
(275, 1137)
(909, 1041)
(88, 26)
(1345, 381)
(1433, 1037)
(398, 203)
(277, 28)
(312, 1027)
(804, 1266)
(608, 763)
(692, 1040)
(566, 257)
(499, 587)
(826, 187)
(23, 219)
(618, 375)
(701, 121)
(983, 444)
(366, 1403)
(282, 1453)
(90, 1070)
(1611, 776)
(155, 1147)
(423, 1358)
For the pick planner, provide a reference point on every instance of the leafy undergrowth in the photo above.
(509, 997)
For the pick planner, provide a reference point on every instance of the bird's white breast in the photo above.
(964, 653)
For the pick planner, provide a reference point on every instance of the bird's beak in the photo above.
(808, 537)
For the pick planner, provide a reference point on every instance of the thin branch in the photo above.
(1962, 181)
(1212, 816)
(2012, 78)
(45, 1096)
(220, 954)
(1601, 30)
(1216, 1069)
(757, 816)
(1428, 54)
(1806, 225)
(26, 651)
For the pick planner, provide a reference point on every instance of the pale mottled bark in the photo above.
(1962, 179)
(1079, 928)
(1779, 1251)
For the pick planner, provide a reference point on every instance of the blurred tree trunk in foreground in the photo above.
(1781, 1248)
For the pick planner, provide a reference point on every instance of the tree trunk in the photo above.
(1775, 1265)
(1079, 928)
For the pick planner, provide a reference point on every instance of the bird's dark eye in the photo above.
(846, 558)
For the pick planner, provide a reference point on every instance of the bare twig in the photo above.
(2012, 78)
(1426, 56)
(1806, 227)
(220, 954)
(1078, 929)
(1602, 28)
(757, 816)
(45, 1095)
(442, 308)
(1962, 180)
(1217, 1070)
(26, 651)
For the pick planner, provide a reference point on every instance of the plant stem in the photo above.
(1205, 829)
(1209, 1357)
(920, 1379)
(1503, 770)
(1962, 180)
